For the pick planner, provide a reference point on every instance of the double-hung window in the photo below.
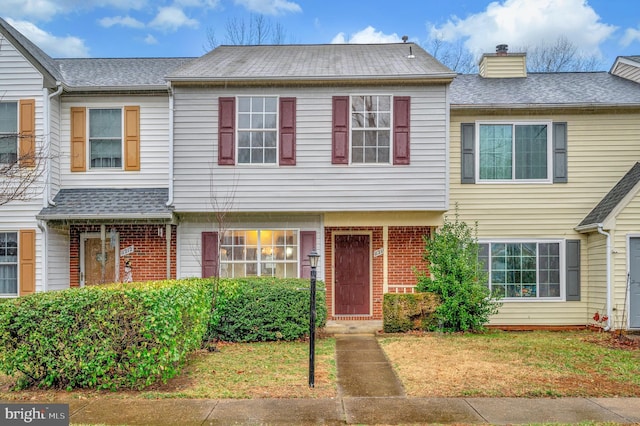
(262, 252)
(370, 129)
(523, 269)
(8, 264)
(514, 152)
(105, 138)
(8, 132)
(257, 129)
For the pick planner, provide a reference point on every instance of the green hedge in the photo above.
(104, 337)
(264, 309)
(405, 312)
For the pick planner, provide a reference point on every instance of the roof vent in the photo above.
(405, 38)
(411, 55)
(502, 49)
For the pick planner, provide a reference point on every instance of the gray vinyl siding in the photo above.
(313, 184)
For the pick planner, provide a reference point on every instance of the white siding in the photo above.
(20, 80)
(154, 145)
(58, 260)
(630, 72)
(190, 233)
(313, 184)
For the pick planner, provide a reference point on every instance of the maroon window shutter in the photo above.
(226, 131)
(401, 121)
(287, 131)
(307, 244)
(340, 139)
(209, 254)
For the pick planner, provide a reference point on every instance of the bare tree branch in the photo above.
(19, 173)
(256, 30)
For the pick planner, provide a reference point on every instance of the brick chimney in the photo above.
(503, 64)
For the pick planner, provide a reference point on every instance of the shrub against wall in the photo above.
(104, 337)
(406, 312)
(264, 309)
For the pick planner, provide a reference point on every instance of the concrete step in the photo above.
(352, 327)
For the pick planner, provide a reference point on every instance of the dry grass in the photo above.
(496, 364)
(513, 364)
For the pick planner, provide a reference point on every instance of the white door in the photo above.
(634, 282)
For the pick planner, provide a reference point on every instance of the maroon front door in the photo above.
(352, 280)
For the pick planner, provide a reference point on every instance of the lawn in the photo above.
(515, 364)
(496, 364)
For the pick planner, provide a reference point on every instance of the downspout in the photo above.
(170, 197)
(609, 311)
(47, 201)
(45, 236)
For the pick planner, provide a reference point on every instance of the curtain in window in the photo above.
(531, 152)
(105, 135)
(8, 263)
(495, 151)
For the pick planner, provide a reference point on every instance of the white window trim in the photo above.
(563, 272)
(17, 133)
(88, 138)
(17, 263)
(258, 249)
(514, 181)
(276, 163)
(388, 163)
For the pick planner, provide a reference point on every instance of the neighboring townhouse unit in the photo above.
(242, 161)
(282, 149)
(101, 130)
(547, 165)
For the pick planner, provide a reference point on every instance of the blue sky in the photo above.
(160, 28)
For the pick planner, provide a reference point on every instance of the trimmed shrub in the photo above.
(406, 312)
(104, 337)
(264, 309)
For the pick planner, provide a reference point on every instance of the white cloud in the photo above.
(630, 35)
(270, 7)
(57, 47)
(170, 19)
(522, 23)
(125, 21)
(45, 10)
(367, 36)
(149, 39)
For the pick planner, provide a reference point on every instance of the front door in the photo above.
(634, 282)
(352, 275)
(93, 270)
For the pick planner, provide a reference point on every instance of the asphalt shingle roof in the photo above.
(107, 203)
(314, 62)
(544, 90)
(610, 201)
(105, 73)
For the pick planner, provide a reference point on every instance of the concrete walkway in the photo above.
(369, 393)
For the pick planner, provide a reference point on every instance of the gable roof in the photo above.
(43, 62)
(544, 90)
(314, 63)
(104, 204)
(612, 200)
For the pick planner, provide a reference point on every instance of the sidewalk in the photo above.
(369, 393)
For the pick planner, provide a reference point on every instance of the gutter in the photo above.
(171, 101)
(608, 257)
(45, 235)
(46, 200)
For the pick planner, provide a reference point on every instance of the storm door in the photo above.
(634, 282)
(96, 267)
(352, 275)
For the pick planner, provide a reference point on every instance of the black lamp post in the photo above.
(313, 261)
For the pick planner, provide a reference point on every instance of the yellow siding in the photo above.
(596, 279)
(627, 224)
(511, 66)
(601, 149)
